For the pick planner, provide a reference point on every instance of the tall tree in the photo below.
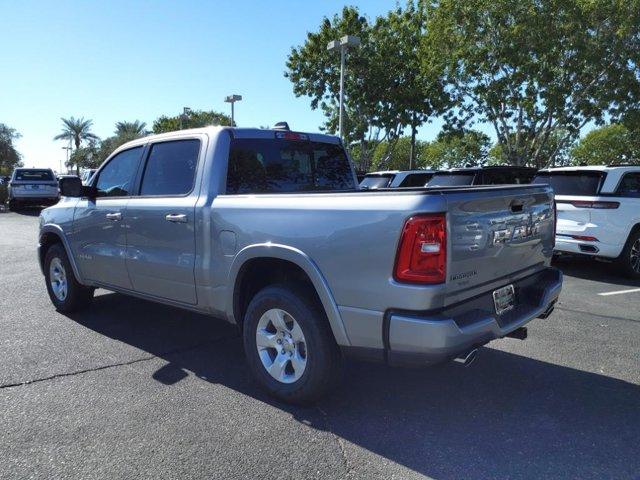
(131, 130)
(193, 119)
(10, 158)
(609, 144)
(532, 67)
(456, 149)
(406, 95)
(76, 130)
(384, 88)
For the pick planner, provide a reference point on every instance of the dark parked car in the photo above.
(496, 175)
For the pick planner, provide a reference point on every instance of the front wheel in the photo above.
(65, 292)
(289, 346)
(629, 259)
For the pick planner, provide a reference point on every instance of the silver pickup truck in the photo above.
(268, 230)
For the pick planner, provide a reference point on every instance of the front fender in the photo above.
(56, 230)
(302, 260)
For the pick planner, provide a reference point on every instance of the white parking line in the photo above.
(619, 292)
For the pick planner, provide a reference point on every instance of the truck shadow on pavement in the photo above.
(507, 416)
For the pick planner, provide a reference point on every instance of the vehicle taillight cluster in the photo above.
(422, 253)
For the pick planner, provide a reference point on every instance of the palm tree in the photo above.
(76, 130)
(131, 130)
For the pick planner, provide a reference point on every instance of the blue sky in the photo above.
(122, 60)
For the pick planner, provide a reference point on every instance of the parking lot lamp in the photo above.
(343, 44)
(232, 99)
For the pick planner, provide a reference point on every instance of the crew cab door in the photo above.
(99, 233)
(160, 255)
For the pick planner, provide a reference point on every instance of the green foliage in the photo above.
(96, 152)
(10, 158)
(531, 67)
(455, 149)
(609, 144)
(76, 130)
(192, 119)
(384, 89)
(394, 155)
(554, 153)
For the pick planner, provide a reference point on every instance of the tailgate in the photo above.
(497, 235)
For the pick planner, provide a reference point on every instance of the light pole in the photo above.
(68, 149)
(186, 111)
(343, 44)
(232, 99)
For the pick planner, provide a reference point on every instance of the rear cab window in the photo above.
(33, 175)
(281, 165)
(576, 183)
(377, 181)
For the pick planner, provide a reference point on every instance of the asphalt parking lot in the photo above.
(130, 389)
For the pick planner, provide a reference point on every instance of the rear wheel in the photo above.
(13, 204)
(66, 294)
(629, 259)
(289, 346)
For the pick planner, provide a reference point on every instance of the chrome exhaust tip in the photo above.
(468, 358)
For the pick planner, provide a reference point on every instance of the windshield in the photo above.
(376, 181)
(35, 175)
(281, 165)
(572, 183)
(450, 179)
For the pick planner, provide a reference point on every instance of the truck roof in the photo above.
(235, 131)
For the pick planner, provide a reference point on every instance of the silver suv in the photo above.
(32, 186)
(268, 230)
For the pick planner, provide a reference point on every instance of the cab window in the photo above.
(171, 168)
(116, 179)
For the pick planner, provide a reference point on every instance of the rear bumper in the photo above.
(432, 337)
(35, 199)
(581, 247)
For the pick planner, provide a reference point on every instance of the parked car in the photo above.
(395, 179)
(86, 175)
(32, 186)
(598, 212)
(492, 175)
(268, 230)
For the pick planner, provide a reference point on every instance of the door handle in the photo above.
(176, 217)
(114, 216)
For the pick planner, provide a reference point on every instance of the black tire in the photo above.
(629, 253)
(78, 296)
(13, 205)
(323, 363)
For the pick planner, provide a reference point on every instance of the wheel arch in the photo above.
(258, 256)
(50, 235)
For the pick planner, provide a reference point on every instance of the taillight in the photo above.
(588, 204)
(584, 238)
(422, 253)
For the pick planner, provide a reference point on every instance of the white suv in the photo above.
(598, 212)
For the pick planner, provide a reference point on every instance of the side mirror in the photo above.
(70, 186)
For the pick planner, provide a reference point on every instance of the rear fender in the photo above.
(299, 258)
